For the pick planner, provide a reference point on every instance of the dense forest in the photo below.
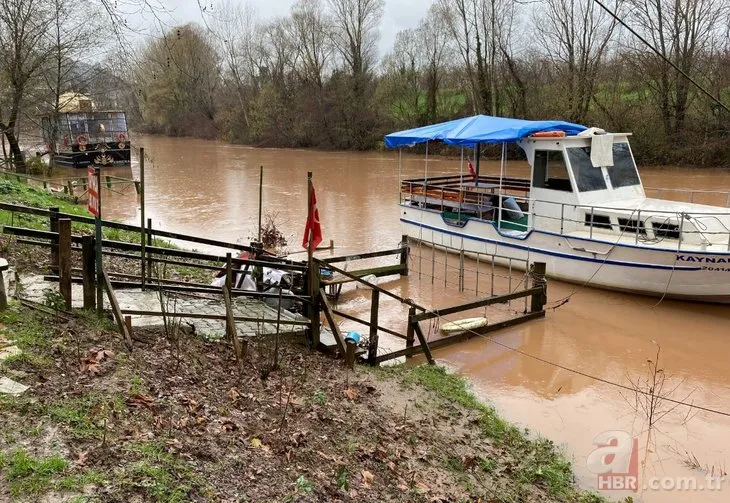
(316, 78)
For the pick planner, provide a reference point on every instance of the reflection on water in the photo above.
(211, 189)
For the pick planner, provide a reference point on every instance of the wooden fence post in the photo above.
(410, 333)
(258, 270)
(53, 227)
(373, 341)
(229, 274)
(140, 190)
(148, 230)
(539, 300)
(350, 353)
(404, 255)
(88, 271)
(64, 259)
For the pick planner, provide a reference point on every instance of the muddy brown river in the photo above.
(597, 338)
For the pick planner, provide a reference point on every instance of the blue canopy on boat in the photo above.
(469, 131)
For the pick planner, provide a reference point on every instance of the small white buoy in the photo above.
(370, 278)
(464, 324)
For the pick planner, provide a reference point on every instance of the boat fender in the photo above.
(511, 209)
(549, 134)
(121, 137)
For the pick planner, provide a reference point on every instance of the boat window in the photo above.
(631, 225)
(623, 172)
(598, 221)
(665, 230)
(551, 171)
(587, 177)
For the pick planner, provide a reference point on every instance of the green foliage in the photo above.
(303, 485)
(319, 397)
(343, 479)
(53, 299)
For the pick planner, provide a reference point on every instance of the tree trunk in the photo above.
(15, 153)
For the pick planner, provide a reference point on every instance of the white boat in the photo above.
(584, 211)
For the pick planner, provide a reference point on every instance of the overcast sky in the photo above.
(399, 14)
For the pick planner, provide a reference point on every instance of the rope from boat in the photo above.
(584, 374)
(674, 266)
(566, 299)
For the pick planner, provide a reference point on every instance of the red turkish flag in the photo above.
(472, 172)
(312, 226)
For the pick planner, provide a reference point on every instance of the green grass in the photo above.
(26, 330)
(161, 475)
(27, 475)
(20, 193)
(538, 461)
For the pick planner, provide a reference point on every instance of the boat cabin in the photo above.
(80, 136)
(572, 191)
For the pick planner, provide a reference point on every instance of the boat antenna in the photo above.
(679, 70)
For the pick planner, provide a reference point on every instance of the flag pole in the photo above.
(313, 274)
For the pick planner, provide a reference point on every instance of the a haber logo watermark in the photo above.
(615, 461)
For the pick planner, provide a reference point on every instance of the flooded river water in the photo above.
(211, 189)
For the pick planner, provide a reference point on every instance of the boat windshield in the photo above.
(587, 177)
(623, 172)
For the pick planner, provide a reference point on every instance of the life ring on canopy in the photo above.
(82, 140)
(549, 134)
(121, 137)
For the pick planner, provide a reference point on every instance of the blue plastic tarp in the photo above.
(469, 131)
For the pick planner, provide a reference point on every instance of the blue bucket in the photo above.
(353, 336)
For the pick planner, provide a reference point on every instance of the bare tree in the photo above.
(682, 32)
(433, 35)
(356, 32)
(24, 28)
(475, 28)
(576, 35)
(311, 34)
(233, 27)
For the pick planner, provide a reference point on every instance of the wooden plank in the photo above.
(497, 299)
(378, 272)
(180, 286)
(462, 336)
(367, 283)
(89, 271)
(367, 323)
(327, 308)
(118, 314)
(373, 340)
(53, 227)
(124, 246)
(424, 343)
(231, 327)
(64, 260)
(361, 256)
(221, 317)
(410, 333)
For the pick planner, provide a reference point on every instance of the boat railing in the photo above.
(647, 226)
(693, 196)
(485, 200)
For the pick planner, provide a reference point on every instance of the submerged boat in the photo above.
(79, 136)
(583, 211)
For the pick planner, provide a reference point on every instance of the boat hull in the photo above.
(688, 275)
